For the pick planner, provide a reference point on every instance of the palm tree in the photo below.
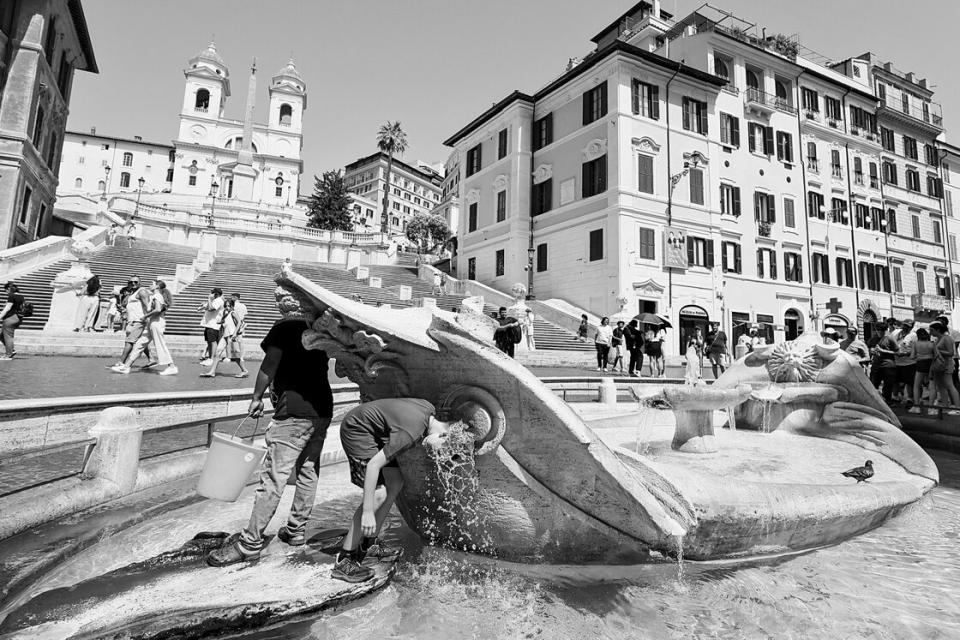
(391, 139)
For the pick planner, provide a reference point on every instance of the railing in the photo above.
(17, 261)
(929, 301)
(813, 165)
(810, 114)
(200, 109)
(836, 171)
(764, 229)
(756, 96)
(931, 115)
(730, 88)
(858, 177)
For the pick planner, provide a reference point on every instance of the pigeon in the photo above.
(861, 474)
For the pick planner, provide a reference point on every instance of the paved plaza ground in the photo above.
(58, 376)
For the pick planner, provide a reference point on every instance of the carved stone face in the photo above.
(794, 362)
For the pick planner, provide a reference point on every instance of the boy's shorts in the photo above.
(358, 470)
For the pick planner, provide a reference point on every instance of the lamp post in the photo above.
(136, 208)
(106, 181)
(531, 254)
(213, 201)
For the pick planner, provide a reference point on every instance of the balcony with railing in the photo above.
(929, 114)
(813, 165)
(764, 229)
(767, 102)
(929, 301)
(836, 172)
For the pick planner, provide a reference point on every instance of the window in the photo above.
(860, 119)
(948, 203)
(128, 159)
(471, 268)
(596, 245)
(930, 155)
(52, 151)
(937, 232)
(729, 130)
(541, 257)
(934, 187)
(886, 139)
(278, 191)
(764, 207)
(396, 205)
(594, 176)
(784, 147)
(202, 103)
(889, 172)
(125, 179)
(761, 139)
(874, 180)
(38, 128)
(78, 183)
(845, 272)
(696, 186)
(50, 41)
(595, 103)
(753, 78)
(891, 220)
(501, 206)
(943, 284)
(815, 205)
(792, 267)
(502, 144)
(499, 263)
(542, 194)
(820, 268)
(832, 108)
(695, 115)
(25, 205)
(910, 147)
(913, 179)
(699, 252)
(858, 170)
(789, 215)
(915, 224)
(543, 132)
(861, 216)
(897, 280)
(729, 200)
(946, 172)
(473, 160)
(38, 227)
(646, 100)
(836, 169)
(730, 257)
(921, 284)
(172, 155)
(766, 263)
(809, 100)
(721, 67)
(395, 221)
(838, 211)
(812, 163)
(81, 160)
(645, 173)
(101, 186)
(647, 244)
(472, 217)
(877, 221)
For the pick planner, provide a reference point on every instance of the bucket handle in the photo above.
(255, 429)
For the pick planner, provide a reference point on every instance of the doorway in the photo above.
(648, 306)
(691, 318)
(792, 324)
(870, 328)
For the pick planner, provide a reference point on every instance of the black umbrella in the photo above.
(653, 319)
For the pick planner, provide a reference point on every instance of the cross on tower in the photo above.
(833, 305)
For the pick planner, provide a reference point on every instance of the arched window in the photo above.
(286, 115)
(237, 143)
(101, 186)
(782, 91)
(78, 183)
(124, 179)
(128, 159)
(395, 221)
(753, 81)
(720, 68)
(203, 101)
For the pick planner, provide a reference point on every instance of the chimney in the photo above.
(93, 131)
(910, 77)
(656, 8)
(923, 82)
(138, 138)
(888, 67)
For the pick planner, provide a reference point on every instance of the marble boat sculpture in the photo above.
(532, 482)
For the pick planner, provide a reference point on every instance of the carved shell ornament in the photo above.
(794, 362)
(480, 411)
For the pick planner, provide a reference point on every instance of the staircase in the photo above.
(251, 277)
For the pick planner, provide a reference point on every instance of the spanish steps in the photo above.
(251, 277)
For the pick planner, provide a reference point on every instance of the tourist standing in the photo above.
(922, 350)
(616, 347)
(716, 348)
(11, 317)
(653, 346)
(89, 306)
(137, 306)
(443, 284)
(941, 368)
(437, 286)
(633, 339)
(856, 347)
(229, 328)
(211, 324)
(240, 310)
(945, 321)
(112, 234)
(508, 334)
(131, 234)
(303, 407)
(906, 365)
(884, 373)
(602, 340)
(694, 357)
(583, 329)
(528, 330)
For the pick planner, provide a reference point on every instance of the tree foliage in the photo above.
(391, 139)
(330, 203)
(427, 231)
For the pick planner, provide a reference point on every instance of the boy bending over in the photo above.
(373, 435)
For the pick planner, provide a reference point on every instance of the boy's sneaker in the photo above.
(120, 368)
(231, 552)
(294, 539)
(933, 412)
(914, 409)
(170, 371)
(349, 570)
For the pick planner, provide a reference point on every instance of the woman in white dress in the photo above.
(527, 324)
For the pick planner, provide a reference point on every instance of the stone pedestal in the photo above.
(208, 243)
(116, 456)
(65, 302)
(608, 391)
(363, 273)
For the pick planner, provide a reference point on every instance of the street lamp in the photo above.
(213, 201)
(140, 182)
(531, 254)
(106, 181)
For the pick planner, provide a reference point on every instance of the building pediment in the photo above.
(649, 287)
(594, 149)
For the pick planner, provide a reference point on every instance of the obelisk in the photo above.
(244, 175)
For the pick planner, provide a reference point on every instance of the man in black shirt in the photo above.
(504, 335)
(10, 318)
(303, 406)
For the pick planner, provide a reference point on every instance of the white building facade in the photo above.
(413, 190)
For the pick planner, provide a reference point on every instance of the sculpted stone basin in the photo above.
(530, 481)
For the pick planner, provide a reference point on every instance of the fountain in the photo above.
(553, 490)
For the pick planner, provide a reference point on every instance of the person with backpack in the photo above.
(14, 311)
(230, 331)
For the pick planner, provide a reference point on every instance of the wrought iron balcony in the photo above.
(836, 171)
(764, 229)
(930, 114)
(768, 102)
(929, 301)
(813, 165)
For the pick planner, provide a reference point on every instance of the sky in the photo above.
(434, 65)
